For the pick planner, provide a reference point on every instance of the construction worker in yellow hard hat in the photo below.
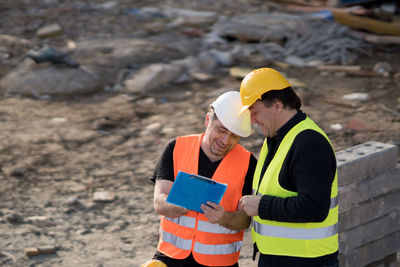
(214, 237)
(258, 82)
(294, 203)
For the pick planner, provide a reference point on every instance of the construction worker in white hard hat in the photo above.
(189, 238)
(294, 204)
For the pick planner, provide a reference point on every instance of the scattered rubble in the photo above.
(79, 144)
(296, 39)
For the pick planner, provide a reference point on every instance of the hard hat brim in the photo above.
(243, 109)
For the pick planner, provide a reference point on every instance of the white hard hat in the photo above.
(227, 107)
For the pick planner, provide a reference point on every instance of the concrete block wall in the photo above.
(369, 203)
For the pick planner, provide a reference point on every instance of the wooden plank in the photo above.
(339, 67)
(376, 39)
(353, 71)
(340, 103)
(316, 3)
(364, 23)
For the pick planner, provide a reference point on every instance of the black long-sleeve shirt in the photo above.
(308, 169)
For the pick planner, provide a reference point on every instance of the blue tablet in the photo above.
(192, 190)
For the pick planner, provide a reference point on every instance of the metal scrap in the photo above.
(314, 40)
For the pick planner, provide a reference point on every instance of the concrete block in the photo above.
(369, 210)
(367, 159)
(369, 188)
(372, 252)
(389, 261)
(369, 232)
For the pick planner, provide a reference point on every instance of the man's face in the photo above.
(218, 139)
(264, 117)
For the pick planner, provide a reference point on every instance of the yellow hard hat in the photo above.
(153, 263)
(258, 82)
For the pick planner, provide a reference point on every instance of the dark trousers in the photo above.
(265, 263)
(188, 262)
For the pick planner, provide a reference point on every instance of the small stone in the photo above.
(47, 249)
(72, 200)
(356, 96)
(49, 31)
(30, 252)
(58, 120)
(383, 68)
(103, 196)
(41, 221)
(13, 218)
(167, 130)
(202, 77)
(336, 126)
(17, 172)
(84, 231)
(154, 127)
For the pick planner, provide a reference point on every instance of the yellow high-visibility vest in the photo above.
(307, 240)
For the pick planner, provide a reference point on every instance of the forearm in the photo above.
(293, 209)
(162, 207)
(237, 220)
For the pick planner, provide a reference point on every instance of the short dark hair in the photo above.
(211, 111)
(287, 96)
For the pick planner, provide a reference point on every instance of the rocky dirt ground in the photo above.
(56, 154)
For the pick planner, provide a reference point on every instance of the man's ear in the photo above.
(278, 106)
(207, 119)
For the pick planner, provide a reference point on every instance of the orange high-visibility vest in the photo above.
(211, 244)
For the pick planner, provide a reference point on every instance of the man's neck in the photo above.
(286, 115)
(208, 153)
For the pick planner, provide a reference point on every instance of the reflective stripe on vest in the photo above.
(181, 243)
(217, 249)
(215, 228)
(298, 233)
(210, 244)
(295, 233)
(286, 238)
(201, 248)
(203, 226)
(183, 221)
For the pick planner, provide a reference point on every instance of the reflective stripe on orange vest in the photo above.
(203, 226)
(183, 220)
(210, 244)
(202, 248)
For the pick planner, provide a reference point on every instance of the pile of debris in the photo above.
(188, 45)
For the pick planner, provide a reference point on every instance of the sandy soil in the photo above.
(56, 154)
